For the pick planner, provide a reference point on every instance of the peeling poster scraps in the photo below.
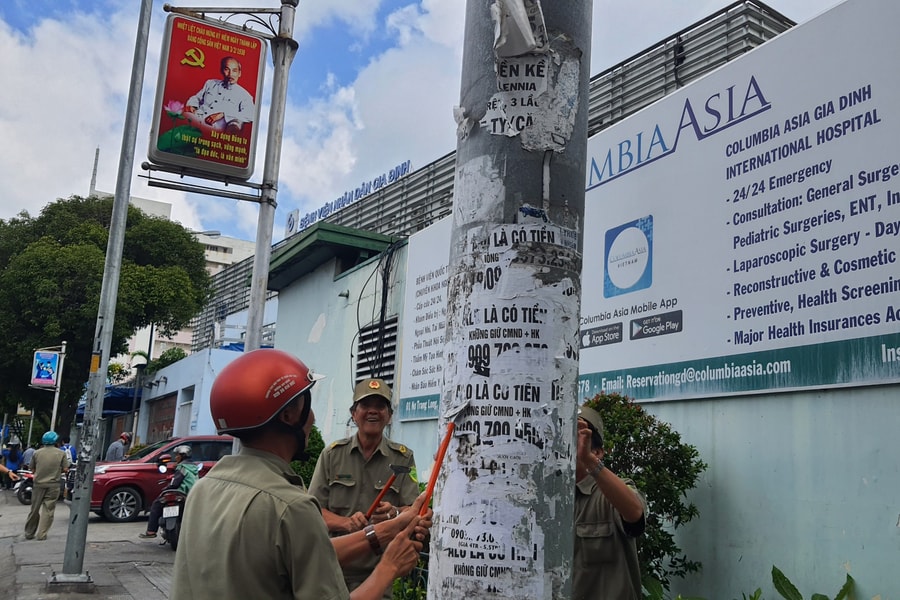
(518, 27)
(520, 83)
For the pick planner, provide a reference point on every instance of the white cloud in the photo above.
(66, 84)
(399, 108)
(359, 15)
(59, 101)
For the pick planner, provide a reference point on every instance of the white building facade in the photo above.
(802, 472)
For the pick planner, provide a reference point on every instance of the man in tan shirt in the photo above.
(352, 472)
(250, 529)
(48, 463)
(609, 515)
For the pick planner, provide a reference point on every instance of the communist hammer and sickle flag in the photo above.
(194, 57)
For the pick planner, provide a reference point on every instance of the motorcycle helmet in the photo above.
(183, 450)
(49, 438)
(254, 387)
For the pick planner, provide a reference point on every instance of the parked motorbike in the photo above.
(24, 486)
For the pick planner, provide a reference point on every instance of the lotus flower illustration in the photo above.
(179, 139)
(174, 109)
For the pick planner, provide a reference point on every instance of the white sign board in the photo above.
(424, 318)
(742, 233)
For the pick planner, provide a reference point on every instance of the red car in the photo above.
(124, 489)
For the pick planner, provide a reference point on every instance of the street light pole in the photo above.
(138, 374)
(72, 576)
(284, 48)
(62, 360)
(507, 489)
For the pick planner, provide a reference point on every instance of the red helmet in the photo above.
(254, 387)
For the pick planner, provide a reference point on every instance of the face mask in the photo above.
(298, 429)
(300, 434)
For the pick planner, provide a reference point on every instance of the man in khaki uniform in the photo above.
(609, 515)
(48, 464)
(352, 471)
(250, 529)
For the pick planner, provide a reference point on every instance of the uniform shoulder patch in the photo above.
(342, 442)
(398, 447)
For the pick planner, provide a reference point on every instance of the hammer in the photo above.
(397, 470)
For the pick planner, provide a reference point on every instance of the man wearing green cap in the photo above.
(609, 515)
(48, 464)
(351, 473)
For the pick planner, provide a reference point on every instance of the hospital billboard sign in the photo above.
(741, 234)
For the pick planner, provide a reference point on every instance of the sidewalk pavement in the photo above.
(121, 566)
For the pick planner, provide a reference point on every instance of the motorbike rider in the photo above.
(184, 478)
(72, 454)
(12, 457)
(26, 456)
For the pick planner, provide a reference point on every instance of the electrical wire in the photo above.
(379, 316)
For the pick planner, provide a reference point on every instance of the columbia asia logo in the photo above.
(629, 258)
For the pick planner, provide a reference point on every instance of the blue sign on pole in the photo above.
(45, 369)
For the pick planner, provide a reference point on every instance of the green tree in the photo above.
(170, 356)
(642, 448)
(51, 272)
(116, 372)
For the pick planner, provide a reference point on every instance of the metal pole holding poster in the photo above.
(184, 140)
(204, 153)
(73, 578)
(62, 361)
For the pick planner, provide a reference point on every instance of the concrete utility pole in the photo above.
(506, 495)
(73, 560)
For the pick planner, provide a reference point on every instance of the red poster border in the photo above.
(191, 61)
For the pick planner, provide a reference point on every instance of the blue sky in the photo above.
(373, 84)
(338, 50)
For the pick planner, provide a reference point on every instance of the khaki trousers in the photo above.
(43, 505)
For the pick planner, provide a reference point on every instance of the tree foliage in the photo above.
(169, 357)
(642, 448)
(51, 274)
(117, 373)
